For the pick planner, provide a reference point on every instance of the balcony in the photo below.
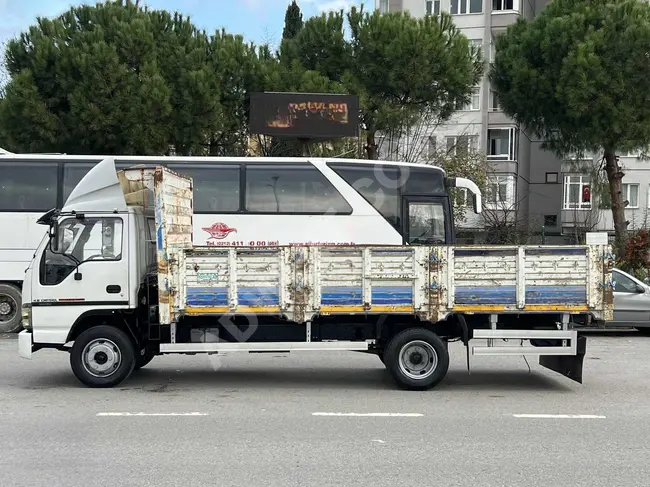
(501, 144)
(498, 117)
(504, 13)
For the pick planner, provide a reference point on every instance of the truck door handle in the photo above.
(113, 289)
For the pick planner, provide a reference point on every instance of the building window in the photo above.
(460, 144)
(552, 178)
(501, 144)
(383, 6)
(550, 220)
(500, 5)
(631, 194)
(460, 197)
(577, 193)
(431, 146)
(500, 191)
(476, 43)
(459, 7)
(475, 100)
(432, 7)
(494, 101)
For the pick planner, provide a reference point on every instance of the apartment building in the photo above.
(550, 197)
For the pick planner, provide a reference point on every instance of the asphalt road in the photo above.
(249, 421)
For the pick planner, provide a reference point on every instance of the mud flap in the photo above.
(569, 366)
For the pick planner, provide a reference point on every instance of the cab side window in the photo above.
(81, 241)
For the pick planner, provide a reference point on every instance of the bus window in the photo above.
(72, 174)
(292, 189)
(216, 187)
(379, 184)
(423, 181)
(27, 186)
(426, 223)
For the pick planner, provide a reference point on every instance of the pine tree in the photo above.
(292, 21)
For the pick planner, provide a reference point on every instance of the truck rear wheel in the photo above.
(417, 359)
(102, 356)
(10, 309)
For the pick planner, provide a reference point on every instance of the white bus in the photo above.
(242, 201)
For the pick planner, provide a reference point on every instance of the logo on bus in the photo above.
(219, 231)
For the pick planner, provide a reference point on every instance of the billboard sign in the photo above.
(304, 115)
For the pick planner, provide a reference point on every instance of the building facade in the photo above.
(555, 200)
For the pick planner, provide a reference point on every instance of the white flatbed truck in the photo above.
(117, 281)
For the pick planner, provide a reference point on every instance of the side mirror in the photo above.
(640, 289)
(54, 236)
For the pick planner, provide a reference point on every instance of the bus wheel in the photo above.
(417, 359)
(10, 309)
(102, 356)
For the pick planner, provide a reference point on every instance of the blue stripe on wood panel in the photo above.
(258, 296)
(207, 296)
(352, 295)
(534, 295)
(392, 295)
(341, 295)
(246, 296)
(486, 295)
(556, 294)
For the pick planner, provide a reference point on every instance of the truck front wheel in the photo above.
(102, 356)
(417, 359)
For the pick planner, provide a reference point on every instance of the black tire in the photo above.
(425, 345)
(116, 347)
(11, 302)
(644, 330)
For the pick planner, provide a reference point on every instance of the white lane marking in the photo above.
(560, 416)
(382, 415)
(152, 414)
(379, 441)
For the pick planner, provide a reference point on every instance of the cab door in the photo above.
(427, 221)
(86, 269)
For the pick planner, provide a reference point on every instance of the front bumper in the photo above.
(25, 344)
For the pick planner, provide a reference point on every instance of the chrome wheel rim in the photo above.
(101, 358)
(418, 360)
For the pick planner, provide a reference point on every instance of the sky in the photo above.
(259, 21)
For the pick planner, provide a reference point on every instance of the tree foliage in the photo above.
(292, 21)
(400, 66)
(578, 76)
(122, 79)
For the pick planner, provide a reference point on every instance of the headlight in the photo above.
(27, 317)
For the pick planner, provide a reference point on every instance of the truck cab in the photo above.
(90, 263)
